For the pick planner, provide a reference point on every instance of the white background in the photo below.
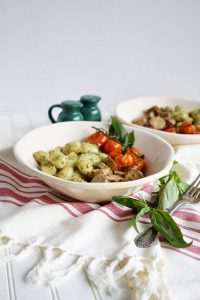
(52, 51)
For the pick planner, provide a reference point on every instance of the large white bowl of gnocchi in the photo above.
(60, 155)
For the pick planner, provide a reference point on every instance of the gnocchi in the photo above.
(74, 161)
(48, 168)
(41, 156)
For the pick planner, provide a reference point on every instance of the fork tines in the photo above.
(193, 190)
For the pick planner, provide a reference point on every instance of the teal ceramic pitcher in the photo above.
(71, 111)
(90, 110)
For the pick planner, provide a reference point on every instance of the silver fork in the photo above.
(191, 195)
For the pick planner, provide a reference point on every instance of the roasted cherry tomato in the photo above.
(124, 161)
(170, 129)
(97, 138)
(142, 165)
(112, 148)
(129, 159)
(136, 151)
(187, 128)
(136, 155)
(186, 123)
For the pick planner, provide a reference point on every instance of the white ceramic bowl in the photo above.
(131, 109)
(158, 154)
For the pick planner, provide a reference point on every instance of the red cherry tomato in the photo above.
(124, 161)
(142, 165)
(187, 128)
(112, 148)
(130, 159)
(136, 151)
(186, 123)
(97, 138)
(170, 129)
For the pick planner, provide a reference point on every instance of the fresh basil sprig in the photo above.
(118, 132)
(171, 188)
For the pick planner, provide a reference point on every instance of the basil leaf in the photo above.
(175, 176)
(136, 205)
(119, 130)
(164, 224)
(130, 139)
(182, 186)
(169, 195)
(140, 214)
(111, 131)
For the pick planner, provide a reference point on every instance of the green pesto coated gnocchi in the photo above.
(94, 158)
(89, 148)
(54, 153)
(72, 147)
(66, 173)
(85, 166)
(41, 156)
(71, 159)
(74, 161)
(103, 156)
(59, 161)
(77, 177)
(48, 168)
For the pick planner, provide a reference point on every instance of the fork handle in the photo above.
(175, 206)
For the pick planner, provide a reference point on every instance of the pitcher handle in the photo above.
(50, 112)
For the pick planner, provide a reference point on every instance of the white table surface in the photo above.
(78, 287)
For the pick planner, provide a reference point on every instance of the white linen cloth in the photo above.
(34, 215)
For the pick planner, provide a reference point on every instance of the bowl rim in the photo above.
(94, 185)
(164, 133)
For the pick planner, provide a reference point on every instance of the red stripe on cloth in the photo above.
(56, 194)
(67, 209)
(193, 249)
(144, 222)
(35, 200)
(117, 211)
(134, 196)
(112, 218)
(192, 238)
(12, 167)
(187, 216)
(20, 182)
(12, 202)
(20, 177)
(82, 207)
(189, 228)
(25, 184)
(10, 193)
(192, 209)
(18, 204)
(179, 251)
(21, 190)
(147, 188)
